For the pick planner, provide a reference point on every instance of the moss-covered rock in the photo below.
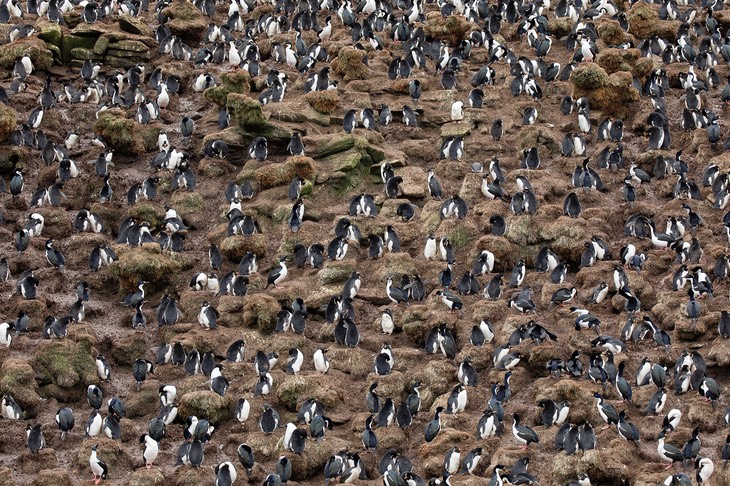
(35, 48)
(134, 25)
(65, 364)
(49, 32)
(610, 32)
(335, 272)
(56, 477)
(343, 161)
(186, 21)
(589, 76)
(119, 132)
(11, 157)
(644, 21)
(145, 212)
(70, 42)
(349, 64)
(190, 207)
(614, 95)
(186, 476)
(129, 347)
(323, 101)
(630, 60)
(7, 122)
(275, 175)
(311, 462)
(332, 144)
(146, 263)
(108, 450)
(451, 29)
(260, 311)
(296, 388)
(246, 111)
(560, 26)
(147, 477)
(235, 247)
(18, 379)
(233, 82)
(206, 404)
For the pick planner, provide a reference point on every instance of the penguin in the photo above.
(98, 467)
(349, 122)
(321, 363)
(294, 361)
(207, 316)
(457, 111)
(723, 327)
(523, 434)
(196, 454)
(277, 275)
(295, 146)
(53, 256)
(218, 382)
(225, 474)
(369, 439)
(409, 117)
(140, 369)
(6, 337)
(571, 205)
(65, 421)
(151, 449)
(627, 430)
(246, 457)
(102, 368)
(434, 426)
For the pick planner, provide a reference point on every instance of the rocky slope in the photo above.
(45, 375)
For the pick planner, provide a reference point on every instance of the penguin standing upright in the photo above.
(151, 449)
(98, 467)
(277, 275)
(35, 439)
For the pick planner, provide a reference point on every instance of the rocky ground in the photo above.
(44, 375)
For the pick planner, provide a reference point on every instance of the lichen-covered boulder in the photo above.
(7, 122)
(145, 212)
(17, 379)
(644, 21)
(589, 76)
(323, 101)
(246, 111)
(630, 60)
(206, 404)
(35, 48)
(64, 368)
(610, 32)
(235, 247)
(145, 263)
(451, 29)
(613, 94)
(108, 450)
(296, 388)
(186, 21)
(336, 272)
(260, 311)
(280, 174)
(134, 25)
(349, 64)
(147, 477)
(119, 132)
(233, 82)
(56, 477)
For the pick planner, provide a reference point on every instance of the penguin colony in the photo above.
(496, 322)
